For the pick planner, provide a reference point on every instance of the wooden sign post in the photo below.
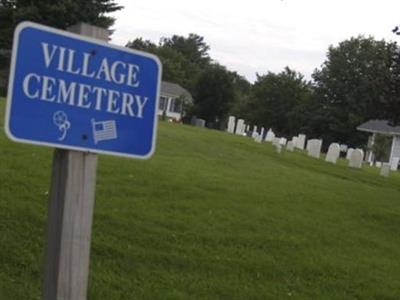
(70, 214)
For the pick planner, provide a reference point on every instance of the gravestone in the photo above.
(278, 148)
(270, 136)
(200, 123)
(333, 153)
(254, 134)
(362, 151)
(314, 148)
(385, 169)
(378, 164)
(239, 127)
(276, 141)
(356, 159)
(258, 139)
(301, 141)
(349, 152)
(308, 145)
(295, 141)
(231, 124)
(283, 141)
(394, 163)
(290, 146)
(343, 148)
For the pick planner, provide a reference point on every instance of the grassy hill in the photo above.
(211, 216)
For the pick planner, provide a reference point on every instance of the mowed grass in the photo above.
(211, 216)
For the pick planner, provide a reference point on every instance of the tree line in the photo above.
(359, 79)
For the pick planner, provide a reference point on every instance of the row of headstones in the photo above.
(239, 127)
(354, 156)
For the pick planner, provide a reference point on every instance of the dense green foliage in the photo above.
(59, 14)
(280, 101)
(214, 95)
(186, 61)
(359, 81)
(183, 58)
(211, 216)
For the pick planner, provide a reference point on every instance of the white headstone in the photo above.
(295, 141)
(258, 139)
(314, 148)
(308, 145)
(278, 148)
(333, 153)
(239, 126)
(254, 134)
(290, 146)
(362, 151)
(378, 164)
(270, 136)
(247, 128)
(276, 141)
(385, 169)
(200, 123)
(343, 148)
(231, 124)
(349, 152)
(283, 141)
(394, 163)
(301, 141)
(356, 159)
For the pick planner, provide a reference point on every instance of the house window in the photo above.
(176, 106)
(163, 103)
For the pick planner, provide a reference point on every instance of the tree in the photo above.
(214, 94)
(59, 14)
(172, 61)
(356, 83)
(183, 58)
(186, 61)
(279, 101)
(193, 48)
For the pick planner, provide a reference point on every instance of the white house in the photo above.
(382, 127)
(172, 99)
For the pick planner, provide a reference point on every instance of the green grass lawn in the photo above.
(211, 216)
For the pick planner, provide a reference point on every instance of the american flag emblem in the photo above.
(104, 130)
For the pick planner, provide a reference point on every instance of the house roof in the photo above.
(174, 90)
(379, 126)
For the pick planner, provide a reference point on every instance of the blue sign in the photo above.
(73, 92)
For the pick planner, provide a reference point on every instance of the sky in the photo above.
(258, 36)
